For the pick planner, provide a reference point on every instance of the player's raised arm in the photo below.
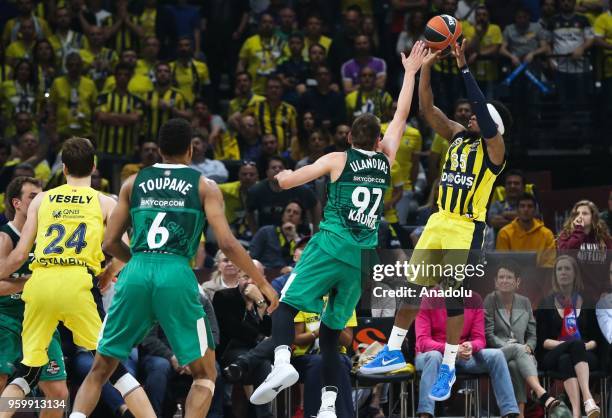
(440, 123)
(327, 164)
(215, 213)
(393, 135)
(489, 120)
(20, 253)
(118, 223)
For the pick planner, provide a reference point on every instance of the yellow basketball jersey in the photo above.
(70, 229)
(467, 177)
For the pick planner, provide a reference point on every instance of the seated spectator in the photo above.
(292, 70)
(605, 215)
(163, 102)
(313, 34)
(567, 335)
(235, 196)
(23, 46)
(414, 31)
(225, 276)
(260, 53)
(25, 12)
(118, 116)
(472, 356)
(149, 155)
(189, 75)
(73, 100)
(501, 213)
(244, 96)
(64, 39)
(211, 169)
(28, 148)
(274, 245)
(307, 125)
(511, 327)
(370, 29)
(45, 63)
(243, 323)
(98, 60)
(604, 310)
(18, 95)
(286, 23)
(276, 116)
(316, 58)
(340, 139)
(241, 141)
(269, 200)
(23, 123)
(281, 280)
(584, 231)
(322, 100)
(572, 36)
(204, 121)
(318, 142)
(485, 39)
(351, 70)
(368, 98)
(139, 85)
(527, 233)
(268, 149)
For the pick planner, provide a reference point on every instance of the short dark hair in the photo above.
(316, 46)
(528, 196)
(509, 265)
(13, 191)
(239, 73)
(275, 158)
(515, 172)
(365, 131)
(298, 35)
(274, 78)
(159, 63)
(460, 101)
(522, 9)
(78, 156)
(175, 137)
(505, 114)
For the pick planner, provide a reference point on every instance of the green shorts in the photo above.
(156, 288)
(319, 274)
(11, 352)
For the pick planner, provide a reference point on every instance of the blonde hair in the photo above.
(598, 226)
(578, 284)
(216, 275)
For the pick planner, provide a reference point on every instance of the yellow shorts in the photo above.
(58, 294)
(447, 240)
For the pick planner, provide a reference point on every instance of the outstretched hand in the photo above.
(432, 57)
(413, 62)
(459, 53)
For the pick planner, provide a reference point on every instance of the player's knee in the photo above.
(125, 384)
(55, 390)
(3, 380)
(28, 378)
(205, 383)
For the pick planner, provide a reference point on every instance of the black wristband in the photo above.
(464, 69)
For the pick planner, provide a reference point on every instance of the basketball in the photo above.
(442, 32)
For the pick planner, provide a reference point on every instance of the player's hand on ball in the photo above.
(432, 56)
(459, 53)
(414, 61)
(271, 295)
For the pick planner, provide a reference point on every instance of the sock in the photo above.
(328, 397)
(450, 355)
(77, 415)
(282, 355)
(396, 338)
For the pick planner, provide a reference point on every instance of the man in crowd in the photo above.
(269, 200)
(235, 196)
(260, 53)
(322, 100)
(149, 155)
(527, 233)
(211, 169)
(245, 97)
(351, 69)
(189, 75)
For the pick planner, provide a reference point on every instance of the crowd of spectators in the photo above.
(270, 85)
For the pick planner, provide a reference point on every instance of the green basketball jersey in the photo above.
(12, 305)
(166, 210)
(355, 201)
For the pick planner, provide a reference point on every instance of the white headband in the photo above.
(496, 118)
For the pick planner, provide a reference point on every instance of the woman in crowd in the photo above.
(567, 335)
(604, 310)
(225, 276)
(511, 327)
(415, 27)
(19, 95)
(274, 245)
(306, 127)
(45, 63)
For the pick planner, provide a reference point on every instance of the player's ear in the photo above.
(349, 138)
(64, 170)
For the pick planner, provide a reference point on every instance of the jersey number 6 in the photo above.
(155, 230)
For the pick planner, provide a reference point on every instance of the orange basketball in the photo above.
(442, 31)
